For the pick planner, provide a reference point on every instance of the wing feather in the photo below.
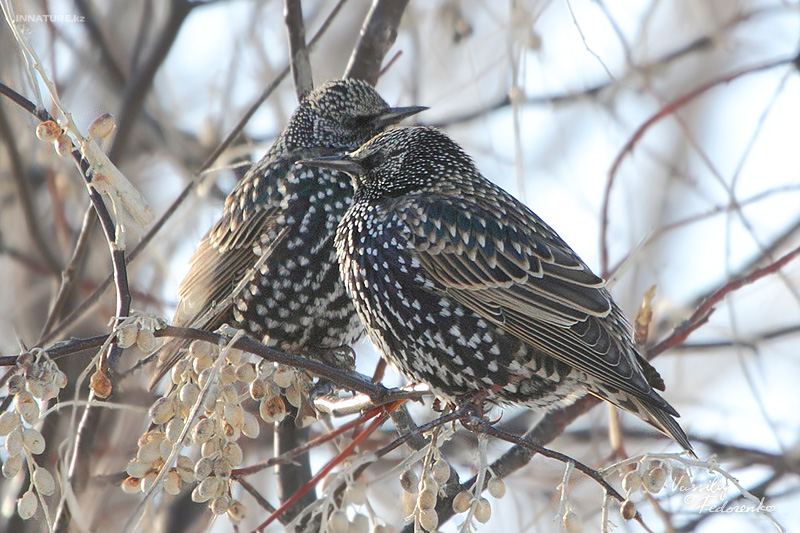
(527, 281)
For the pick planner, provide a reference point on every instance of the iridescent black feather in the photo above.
(463, 287)
(268, 265)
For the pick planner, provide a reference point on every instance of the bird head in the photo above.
(401, 161)
(341, 114)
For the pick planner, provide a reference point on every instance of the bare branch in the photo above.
(298, 53)
(377, 37)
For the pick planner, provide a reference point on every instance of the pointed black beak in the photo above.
(393, 115)
(342, 163)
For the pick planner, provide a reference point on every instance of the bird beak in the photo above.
(342, 163)
(393, 115)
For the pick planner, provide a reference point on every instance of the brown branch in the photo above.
(298, 52)
(377, 37)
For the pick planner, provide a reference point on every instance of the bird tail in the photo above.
(657, 417)
(652, 409)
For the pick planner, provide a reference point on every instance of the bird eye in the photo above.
(373, 160)
(357, 122)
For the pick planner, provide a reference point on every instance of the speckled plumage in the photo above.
(464, 288)
(268, 265)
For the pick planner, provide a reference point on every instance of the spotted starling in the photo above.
(268, 266)
(464, 288)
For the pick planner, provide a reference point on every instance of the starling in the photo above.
(268, 266)
(464, 288)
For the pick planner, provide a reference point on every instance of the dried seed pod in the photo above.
(188, 394)
(12, 466)
(9, 421)
(27, 407)
(441, 471)
(409, 481)
(250, 427)
(162, 411)
(233, 453)
(27, 505)
(462, 502)
(681, 479)
(16, 384)
(63, 145)
(246, 372)
(234, 356)
(627, 510)
(237, 512)
(43, 481)
(222, 468)
(428, 519)
(131, 485)
(483, 510)
(283, 376)
(49, 391)
(148, 481)
(427, 499)
(496, 487)
(338, 522)
(210, 448)
(14, 442)
(201, 349)
(33, 440)
(60, 379)
(204, 430)
(233, 415)
(172, 482)
(48, 131)
(219, 505)
(126, 335)
(272, 409)
(632, 482)
(102, 126)
(227, 375)
(100, 384)
(258, 389)
(174, 429)
(137, 468)
(201, 363)
(208, 488)
(655, 479)
(149, 452)
(203, 468)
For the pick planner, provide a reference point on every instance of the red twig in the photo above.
(313, 443)
(384, 414)
(667, 110)
(706, 307)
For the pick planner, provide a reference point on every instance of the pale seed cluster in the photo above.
(139, 329)
(34, 379)
(649, 476)
(355, 495)
(233, 393)
(420, 496)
